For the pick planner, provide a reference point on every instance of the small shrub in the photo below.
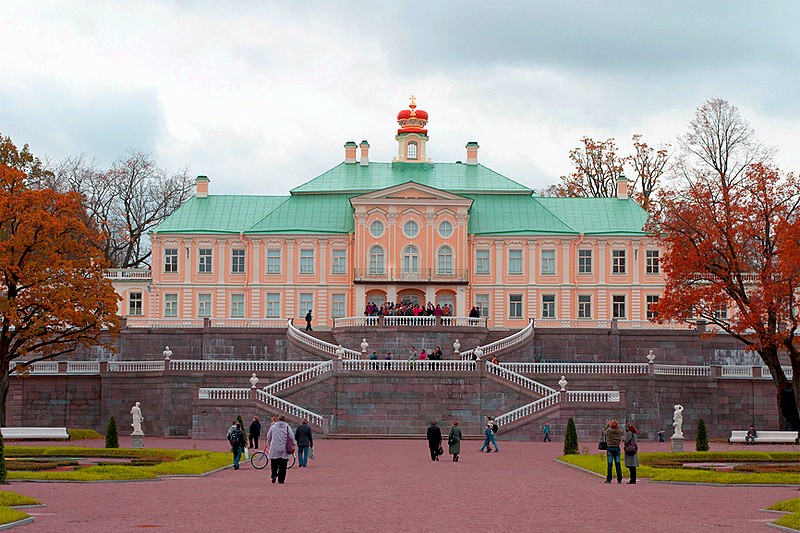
(571, 439)
(701, 444)
(83, 434)
(112, 438)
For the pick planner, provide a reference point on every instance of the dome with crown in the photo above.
(412, 120)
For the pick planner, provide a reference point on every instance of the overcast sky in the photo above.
(261, 96)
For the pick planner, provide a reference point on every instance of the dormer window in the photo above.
(411, 150)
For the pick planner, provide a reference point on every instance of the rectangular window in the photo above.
(135, 304)
(306, 261)
(481, 261)
(514, 306)
(584, 306)
(584, 261)
(338, 306)
(721, 312)
(204, 266)
(548, 306)
(237, 305)
(618, 265)
(306, 303)
(237, 261)
(482, 303)
(339, 262)
(653, 262)
(273, 305)
(618, 306)
(651, 300)
(273, 261)
(515, 261)
(548, 262)
(204, 305)
(171, 260)
(170, 305)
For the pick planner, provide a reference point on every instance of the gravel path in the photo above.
(392, 485)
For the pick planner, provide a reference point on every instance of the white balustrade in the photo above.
(83, 367)
(128, 273)
(504, 343)
(40, 367)
(248, 323)
(136, 366)
(464, 321)
(519, 379)
(403, 364)
(681, 370)
(355, 321)
(295, 410)
(295, 379)
(155, 323)
(578, 368)
(196, 365)
(528, 409)
(573, 324)
(416, 321)
(320, 345)
(206, 393)
(766, 373)
(592, 396)
(735, 371)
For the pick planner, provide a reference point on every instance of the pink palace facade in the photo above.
(406, 230)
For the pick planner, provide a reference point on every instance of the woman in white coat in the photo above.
(277, 437)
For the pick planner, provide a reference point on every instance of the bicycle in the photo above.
(260, 459)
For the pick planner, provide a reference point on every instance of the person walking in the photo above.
(278, 436)
(613, 435)
(255, 432)
(631, 451)
(546, 432)
(487, 439)
(308, 321)
(495, 428)
(454, 441)
(434, 437)
(236, 439)
(305, 440)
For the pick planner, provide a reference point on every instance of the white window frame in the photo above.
(274, 261)
(339, 261)
(306, 302)
(237, 305)
(515, 306)
(585, 306)
(412, 150)
(376, 261)
(584, 261)
(482, 264)
(445, 234)
(548, 264)
(238, 261)
(338, 305)
(515, 261)
(410, 224)
(480, 300)
(548, 306)
(306, 261)
(204, 305)
(619, 262)
(170, 260)
(652, 262)
(205, 261)
(170, 305)
(650, 300)
(373, 225)
(619, 306)
(273, 305)
(135, 303)
(444, 261)
(411, 259)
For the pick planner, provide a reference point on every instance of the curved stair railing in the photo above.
(511, 341)
(289, 407)
(519, 379)
(529, 409)
(320, 345)
(300, 377)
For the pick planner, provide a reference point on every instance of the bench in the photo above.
(769, 437)
(20, 433)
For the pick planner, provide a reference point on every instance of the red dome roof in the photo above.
(405, 113)
(422, 114)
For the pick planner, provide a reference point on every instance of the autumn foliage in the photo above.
(54, 297)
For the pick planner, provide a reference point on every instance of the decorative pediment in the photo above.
(410, 193)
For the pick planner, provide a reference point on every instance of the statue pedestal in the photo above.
(677, 444)
(137, 441)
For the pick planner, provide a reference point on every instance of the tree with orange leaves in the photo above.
(732, 258)
(53, 296)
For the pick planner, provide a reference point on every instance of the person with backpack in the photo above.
(454, 441)
(489, 435)
(236, 439)
(631, 451)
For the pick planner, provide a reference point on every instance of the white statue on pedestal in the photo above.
(651, 357)
(456, 346)
(563, 383)
(478, 351)
(339, 352)
(167, 352)
(136, 413)
(253, 381)
(677, 421)
(364, 345)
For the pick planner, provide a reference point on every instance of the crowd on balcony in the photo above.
(407, 309)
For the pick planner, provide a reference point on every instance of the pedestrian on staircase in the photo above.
(308, 321)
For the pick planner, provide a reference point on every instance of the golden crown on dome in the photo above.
(412, 120)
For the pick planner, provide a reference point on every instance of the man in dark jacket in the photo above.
(308, 321)
(255, 432)
(236, 440)
(434, 440)
(305, 440)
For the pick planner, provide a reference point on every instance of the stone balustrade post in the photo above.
(123, 322)
(381, 321)
(206, 323)
(437, 320)
(757, 372)
(103, 367)
(62, 367)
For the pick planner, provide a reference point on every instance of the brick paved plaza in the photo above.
(391, 485)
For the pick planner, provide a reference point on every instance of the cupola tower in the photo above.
(412, 135)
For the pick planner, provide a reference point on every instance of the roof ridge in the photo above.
(287, 198)
(567, 224)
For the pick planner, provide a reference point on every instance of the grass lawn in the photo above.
(792, 506)
(170, 462)
(667, 466)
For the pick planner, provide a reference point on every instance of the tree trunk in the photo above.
(786, 400)
(4, 382)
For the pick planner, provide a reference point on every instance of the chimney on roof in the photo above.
(201, 187)
(350, 152)
(472, 153)
(364, 153)
(622, 187)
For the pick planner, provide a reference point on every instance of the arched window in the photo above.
(411, 150)
(410, 259)
(376, 260)
(445, 261)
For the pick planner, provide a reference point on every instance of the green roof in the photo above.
(317, 213)
(451, 177)
(493, 214)
(219, 214)
(598, 216)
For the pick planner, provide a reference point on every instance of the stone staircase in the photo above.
(325, 336)
(497, 334)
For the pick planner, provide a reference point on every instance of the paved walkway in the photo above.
(392, 485)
